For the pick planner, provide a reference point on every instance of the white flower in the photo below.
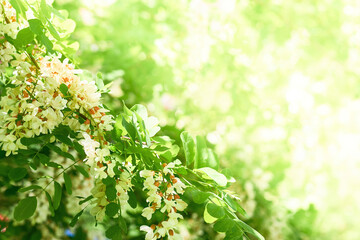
(180, 205)
(149, 232)
(148, 212)
(146, 173)
(89, 145)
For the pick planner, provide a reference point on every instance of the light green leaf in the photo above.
(189, 148)
(207, 217)
(214, 175)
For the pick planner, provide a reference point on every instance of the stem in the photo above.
(53, 179)
(6, 19)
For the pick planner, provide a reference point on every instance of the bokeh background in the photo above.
(273, 85)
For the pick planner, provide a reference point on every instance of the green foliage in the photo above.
(25, 208)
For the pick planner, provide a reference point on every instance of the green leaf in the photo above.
(60, 152)
(189, 148)
(30, 141)
(223, 225)
(25, 208)
(68, 183)
(215, 210)
(51, 207)
(43, 158)
(53, 164)
(234, 205)
(112, 209)
(44, 9)
(99, 81)
(32, 187)
(64, 139)
(248, 229)
(110, 192)
(130, 129)
(82, 171)
(46, 42)
(205, 157)
(86, 199)
(79, 148)
(16, 174)
(132, 199)
(53, 31)
(122, 224)
(114, 233)
(25, 36)
(214, 175)
(198, 196)
(108, 181)
(36, 26)
(19, 7)
(207, 217)
(64, 89)
(57, 195)
(76, 218)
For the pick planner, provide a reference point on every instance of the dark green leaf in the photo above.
(110, 192)
(51, 207)
(54, 165)
(29, 141)
(132, 199)
(68, 183)
(43, 158)
(86, 199)
(112, 209)
(76, 218)
(25, 208)
(57, 195)
(113, 232)
(223, 225)
(60, 152)
(109, 181)
(198, 196)
(63, 89)
(16, 174)
(64, 139)
(32, 187)
(122, 225)
(215, 210)
(82, 171)
(130, 129)
(248, 229)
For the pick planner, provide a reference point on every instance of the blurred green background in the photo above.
(272, 85)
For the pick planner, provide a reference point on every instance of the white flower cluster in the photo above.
(122, 186)
(163, 190)
(35, 105)
(10, 27)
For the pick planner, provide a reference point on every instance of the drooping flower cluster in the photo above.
(163, 190)
(122, 186)
(46, 91)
